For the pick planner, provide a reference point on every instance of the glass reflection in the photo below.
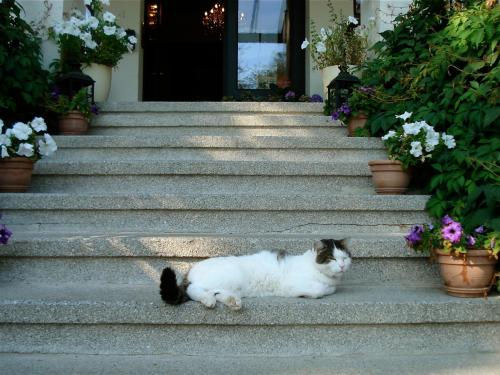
(263, 44)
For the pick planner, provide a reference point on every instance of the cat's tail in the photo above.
(170, 292)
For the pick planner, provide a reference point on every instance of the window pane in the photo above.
(262, 44)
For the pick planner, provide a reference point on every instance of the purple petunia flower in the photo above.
(345, 108)
(431, 227)
(452, 232)
(367, 90)
(55, 94)
(471, 241)
(335, 115)
(480, 229)
(316, 99)
(447, 220)
(94, 109)
(4, 234)
(415, 235)
(290, 95)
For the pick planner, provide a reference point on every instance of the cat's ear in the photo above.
(342, 245)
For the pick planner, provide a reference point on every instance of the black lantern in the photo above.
(70, 83)
(340, 88)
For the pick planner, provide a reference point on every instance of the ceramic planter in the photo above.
(356, 122)
(15, 174)
(328, 74)
(101, 74)
(469, 276)
(389, 176)
(73, 123)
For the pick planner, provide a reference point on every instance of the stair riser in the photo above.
(247, 340)
(99, 154)
(365, 271)
(168, 184)
(221, 131)
(88, 221)
(211, 119)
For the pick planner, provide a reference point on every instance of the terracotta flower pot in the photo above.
(15, 174)
(468, 276)
(356, 122)
(389, 176)
(74, 123)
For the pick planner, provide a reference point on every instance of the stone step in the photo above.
(131, 319)
(471, 363)
(202, 167)
(217, 148)
(214, 213)
(204, 107)
(139, 259)
(198, 184)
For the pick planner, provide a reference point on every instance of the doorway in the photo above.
(183, 55)
(205, 49)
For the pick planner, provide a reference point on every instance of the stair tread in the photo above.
(442, 363)
(141, 304)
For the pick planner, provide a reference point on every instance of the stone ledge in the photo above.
(136, 304)
(212, 202)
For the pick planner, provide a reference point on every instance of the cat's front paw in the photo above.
(208, 301)
(234, 303)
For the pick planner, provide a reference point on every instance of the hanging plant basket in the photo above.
(73, 123)
(15, 174)
(468, 276)
(389, 177)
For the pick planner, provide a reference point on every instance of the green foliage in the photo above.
(23, 80)
(441, 63)
(61, 104)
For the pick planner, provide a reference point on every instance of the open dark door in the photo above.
(183, 53)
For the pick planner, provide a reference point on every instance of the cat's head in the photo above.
(332, 256)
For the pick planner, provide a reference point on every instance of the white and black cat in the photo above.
(313, 274)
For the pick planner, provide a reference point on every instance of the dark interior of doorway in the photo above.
(182, 61)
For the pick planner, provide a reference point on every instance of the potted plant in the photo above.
(354, 113)
(342, 42)
(74, 113)
(413, 144)
(466, 261)
(97, 41)
(20, 147)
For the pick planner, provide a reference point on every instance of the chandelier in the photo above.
(213, 20)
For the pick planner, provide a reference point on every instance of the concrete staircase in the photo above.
(173, 183)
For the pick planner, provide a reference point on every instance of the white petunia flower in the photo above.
(416, 149)
(92, 22)
(21, 131)
(87, 38)
(108, 17)
(105, 2)
(329, 32)
(47, 146)
(412, 128)
(1, 125)
(132, 39)
(405, 116)
(431, 138)
(121, 33)
(304, 44)
(448, 140)
(88, 2)
(5, 153)
(109, 30)
(320, 47)
(5, 140)
(371, 19)
(25, 149)
(322, 34)
(390, 134)
(38, 124)
(353, 20)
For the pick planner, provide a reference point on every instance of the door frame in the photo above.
(297, 11)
